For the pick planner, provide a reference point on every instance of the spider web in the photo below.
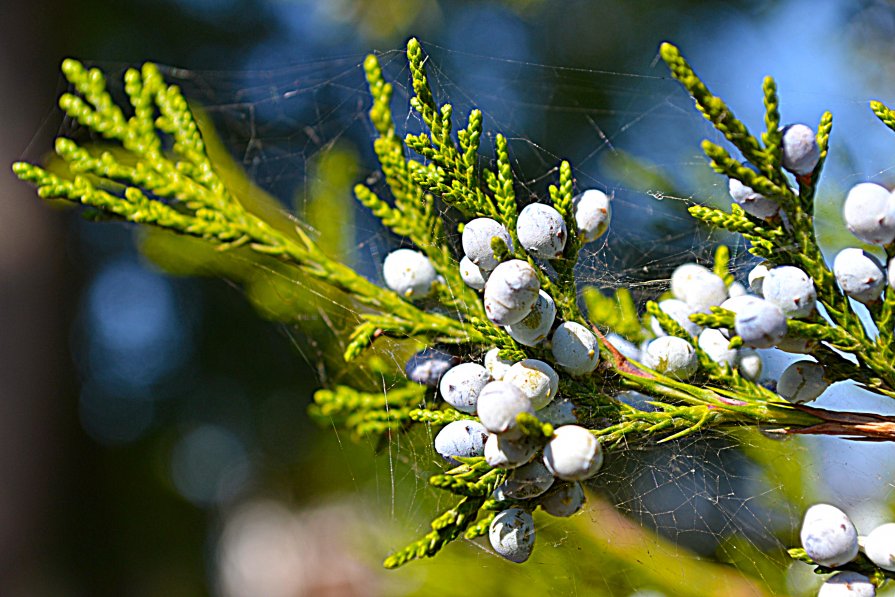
(717, 495)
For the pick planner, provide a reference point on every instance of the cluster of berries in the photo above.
(830, 539)
(694, 289)
(869, 214)
(542, 471)
(760, 316)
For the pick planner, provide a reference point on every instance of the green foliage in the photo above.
(618, 313)
(366, 414)
(796, 246)
(156, 168)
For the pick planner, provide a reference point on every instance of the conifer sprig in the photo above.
(796, 245)
(159, 173)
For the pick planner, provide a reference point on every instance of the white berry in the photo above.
(563, 500)
(409, 273)
(535, 328)
(461, 438)
(869, 213)
(573, 453)
(679, 311)
(575, 348)
(541, 231)
(495, 365)
(471, 274)
(736, 304)
(760, 323)
(717, 346)
(847, 584)
(478, 236)
(891, 273)
(754, 204)
(512, 534)
(510, 292)
(756, 278)
(428, 366)
(504, 451)
(698, 286)
(749, 364)
(791, 289)
(592, 210)
(671, 355)
(460, 386)
(860, 275)
(879, 546)
(536, 379)
(800, 150)
(828, 536)
(802, 381)
(526, 482)
(736, 289)
(498, 405)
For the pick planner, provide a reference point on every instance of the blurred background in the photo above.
(153, 430)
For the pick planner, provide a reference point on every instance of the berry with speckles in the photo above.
(541, 231)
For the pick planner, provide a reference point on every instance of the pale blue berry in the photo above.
(495, 365)
(860, 275)
(593, 211)
(679, 311)
(869, 213)
(460, 386)
(499, 403)
(736, 304)
(672, 356)
(828, 536)
(536, 379)
(575, 348)
(526, 482)
(760, 323)
(409, 273)
(535, 328)
(717, 346)
(471, 274)
(736, 289)
(791, 289)
(427, 366)
(879, 546)
(541, 231)
(800, 150)
(461, 438)
(510, 292)
(749, 364)
(512, 534)
(563, 499)
(698, 286)
(573, 453)
(478, 236)
(802, 381)
(754, 204)
(503, 451)
(756, 278)
(847, 584)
